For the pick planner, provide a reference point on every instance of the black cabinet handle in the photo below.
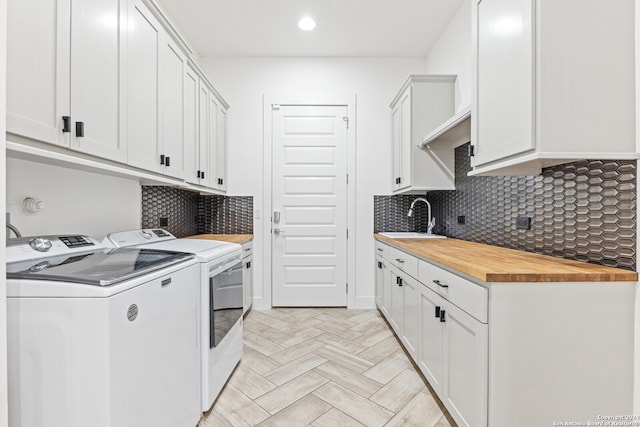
(221, 181)
(167, 161)
(399, 281)
(439, 283)
(249, 264)
(202, 173)
(379, 264)
(162, 159)
(437, 311)
(198, 174)
(66, 124)
(442, 316)
(80, 129)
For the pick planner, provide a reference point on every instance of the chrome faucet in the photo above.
(432, 221)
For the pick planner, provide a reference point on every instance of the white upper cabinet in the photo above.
(191, 125)
(112, 79)
(154, 95)
(222, 149)
(143, 87)
(38, 49)
(423, 103)
(552, 82)
(64, 68)
(96, 72)
(172, 69)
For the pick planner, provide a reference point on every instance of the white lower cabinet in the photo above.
(382, 285)
(465, 371)
(247, 275)
(449, 345)
(430, 341)
(395, 302)
(409, 336)
(549, 342)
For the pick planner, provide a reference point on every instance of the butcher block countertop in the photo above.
(232, 238)
(495, 264)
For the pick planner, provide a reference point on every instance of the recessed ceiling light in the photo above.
(306, 24)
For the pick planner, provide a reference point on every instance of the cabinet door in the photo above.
(503, 95)
(396, 149)
(142, 94)
(405, 139)
(464, 388)
(214, 108)
(191, 126)
(430, 337)
(38, 49)
(247, 279)
(172, 64)
(382, 282)
(396, 301)
(96, 73)
(222, 149)
(410, 315)
(203, 147)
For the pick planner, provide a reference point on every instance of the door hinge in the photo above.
(347, 178)
(346, 121)
(472, 150)
(275, 107)
(347, 234)
(347, 289)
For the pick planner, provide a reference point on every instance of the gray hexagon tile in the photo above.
(190, 213)
(584, 210)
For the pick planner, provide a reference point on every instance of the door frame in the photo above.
(264, 300)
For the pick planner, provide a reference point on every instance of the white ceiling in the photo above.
(344, 27)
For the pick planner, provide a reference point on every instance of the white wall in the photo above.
(636, 390)
(75, 201)
(451, 54)
(375, 81)
(3, 289)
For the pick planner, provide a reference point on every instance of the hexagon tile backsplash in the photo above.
(584, 210)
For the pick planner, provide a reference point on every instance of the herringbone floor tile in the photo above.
(323, 367)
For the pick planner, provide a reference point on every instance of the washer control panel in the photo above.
(123, 239)
(27, 248)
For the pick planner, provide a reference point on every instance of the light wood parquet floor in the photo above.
(322, 367)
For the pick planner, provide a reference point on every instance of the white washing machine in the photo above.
(101, 337)
(221, 300)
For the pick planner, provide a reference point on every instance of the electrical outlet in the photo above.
(523, 223)
(164, 221)
(461, 219)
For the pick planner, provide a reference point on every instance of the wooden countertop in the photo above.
(232, 238)
(495, 264)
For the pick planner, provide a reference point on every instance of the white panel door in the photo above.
(309, 257)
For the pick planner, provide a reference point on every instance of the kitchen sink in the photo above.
(410, 235)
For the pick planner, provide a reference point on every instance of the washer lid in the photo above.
(100, 268)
